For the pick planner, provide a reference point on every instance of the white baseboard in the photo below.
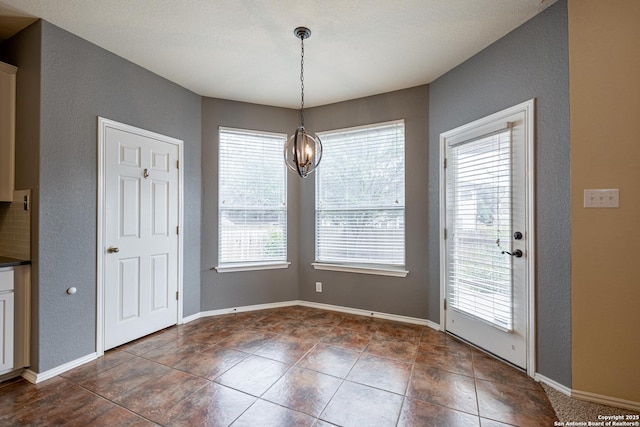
(553, 384)
(589, 397)
(242, 309)
(369, 313)
(606, 400)
(357, 311)
(37, 377)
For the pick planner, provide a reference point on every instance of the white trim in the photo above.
(528, 107)
(379, 271)
(230, 268)
(369, 313)
(243, 309)
(37, 377)
(355, 128)
(342, 309)
(606, 400)
(103, 124)
(553, 384)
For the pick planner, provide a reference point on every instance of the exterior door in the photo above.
(141, 245)
(487, 250)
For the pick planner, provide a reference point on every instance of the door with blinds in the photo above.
(487, 237)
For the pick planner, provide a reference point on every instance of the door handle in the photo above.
(113, 250)
(517, 253)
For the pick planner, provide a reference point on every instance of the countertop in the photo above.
(12, 262)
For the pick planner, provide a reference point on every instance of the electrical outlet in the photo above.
(607, 198)
(318, 286)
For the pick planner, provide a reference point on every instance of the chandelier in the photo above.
(303, 150)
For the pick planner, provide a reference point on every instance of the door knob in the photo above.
(113, 250)
(517, 253)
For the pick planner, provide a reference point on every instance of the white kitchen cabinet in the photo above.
(7, 130)
(15, 283)
(7, 323)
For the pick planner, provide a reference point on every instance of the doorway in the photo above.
(139, 240)
(487, 249)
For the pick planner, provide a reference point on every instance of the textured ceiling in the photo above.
(246, 50)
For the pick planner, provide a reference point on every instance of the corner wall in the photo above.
(24, 51)
(74, 82)
(236, 289)
(604, 60)
(530, 62)
(414, 295)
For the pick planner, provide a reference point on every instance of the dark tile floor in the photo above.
(292, 366)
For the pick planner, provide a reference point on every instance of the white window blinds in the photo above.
(360, 196)
(252, 197)
(479, 225)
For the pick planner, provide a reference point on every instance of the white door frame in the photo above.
(103, 124)
(528, 107)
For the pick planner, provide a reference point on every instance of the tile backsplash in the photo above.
(15, 227)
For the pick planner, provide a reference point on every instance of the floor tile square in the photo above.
(399, 331)
(285, 349)
(124, 377)
(387, 374)
(111, 359)
(447, 358)
(212, 362)
(512, 405)
(491, 369)
(330, 360)
(174, 352)
(253, 375)
(246, 340)
(154, 398)
(303, 390)
(60, 402)
(393, 349)
(419, 413)
(212, 405)
(267, 414)
(359, 405)
(443, 388)
(347, 338)
(360, 323)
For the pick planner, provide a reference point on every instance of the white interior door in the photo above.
(486, 246)
(140, 241)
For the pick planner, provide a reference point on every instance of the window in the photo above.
(360, 223)
(252, 201)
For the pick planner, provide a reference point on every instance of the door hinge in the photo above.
(177, 294)
(178, 230)
(445, 303)
(445, 163)
(177, 164)
(445, 234)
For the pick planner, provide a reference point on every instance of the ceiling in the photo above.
(245, 50)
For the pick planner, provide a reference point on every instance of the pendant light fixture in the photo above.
(303, 150)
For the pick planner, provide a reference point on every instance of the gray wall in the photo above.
(410, 296)
(530, 62)
(79, 82)
(23, 50)
(228, 290)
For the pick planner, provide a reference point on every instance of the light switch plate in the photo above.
(601, 198)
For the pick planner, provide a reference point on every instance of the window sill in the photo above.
(379, 271)
(230, 268)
